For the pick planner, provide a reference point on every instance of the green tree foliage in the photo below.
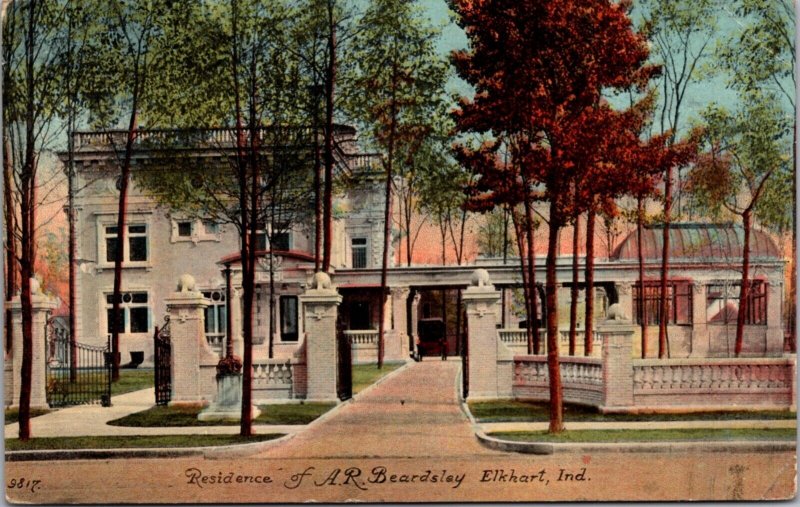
(395, 58)
(747, 157)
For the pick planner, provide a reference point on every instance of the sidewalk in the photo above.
(91, 420)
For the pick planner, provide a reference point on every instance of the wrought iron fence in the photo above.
(162, 363)
(76, 373)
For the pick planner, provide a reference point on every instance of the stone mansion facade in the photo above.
(162, 244)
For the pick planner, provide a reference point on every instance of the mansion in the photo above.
(163, 244)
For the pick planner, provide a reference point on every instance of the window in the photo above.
(281, 240)
(723, 303)
(288, 309)
(136, 250)
(679, 303)
(134, 313)
(359, 253)
(216, 317)
(185, 229)
(210, 228)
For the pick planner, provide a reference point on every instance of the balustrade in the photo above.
(272, 373)
(649, 376)
(363, 337)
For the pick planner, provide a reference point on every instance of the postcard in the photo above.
(399, 251)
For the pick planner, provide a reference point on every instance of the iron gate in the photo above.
(162, 363)
(76, 373)
(344, 369)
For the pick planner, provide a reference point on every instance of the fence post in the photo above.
(481, 301)
(319, 310)
(191, 383)
(617, 331)
(42, 306)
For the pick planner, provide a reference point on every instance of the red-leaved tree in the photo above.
(539, 70)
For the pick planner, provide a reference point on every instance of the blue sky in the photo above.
(699, 96)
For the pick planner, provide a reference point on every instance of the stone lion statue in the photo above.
(320, 281)
(186, 283)
(480, 278)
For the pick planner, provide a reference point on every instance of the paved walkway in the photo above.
(414, 414)
(416, 410)
(91, 420)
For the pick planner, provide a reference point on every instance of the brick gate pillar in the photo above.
(319, 317)
(617, 331)
(193, 362)
(481, 301)
(42, 307)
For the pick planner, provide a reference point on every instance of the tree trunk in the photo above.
(533, 347)
(330, 81)
(553, 369)
(744, 289)
(533, 319)
(73, 339)
(11, 230)
(27, 214)
(317, 187)
(573, 291)
(121, 229)
(589, 281)
(663, 317)
(640, 254)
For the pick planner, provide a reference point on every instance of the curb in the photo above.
(627, 447)
(634, 447)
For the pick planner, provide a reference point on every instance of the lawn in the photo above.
(12, 415)
(364, 375)
(133, 380)
(672, 435)
(132, 442)
(290, 413)
(528, 411)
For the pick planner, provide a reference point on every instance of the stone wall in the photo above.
(619, 383)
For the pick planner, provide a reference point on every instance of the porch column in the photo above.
(319, 303)
(236, 322)
(42, 308)
(701, 339)
(774, 345)
(481, 300)
(415, 319)
(193, 362)
(397, 340)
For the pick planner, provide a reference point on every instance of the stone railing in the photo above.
(581, 377)
(363, 337)
(364, 345)
(517, 341)
(273, 379)
(714, 382)
(216, 342)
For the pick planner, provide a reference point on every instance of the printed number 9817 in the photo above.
(22, 483)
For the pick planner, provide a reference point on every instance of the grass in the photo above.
(704, 434)
(132, 442)
(12, 414)
(528, 411)
(129, 381)
(364, 375)
(187, 416)
(133, 380)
